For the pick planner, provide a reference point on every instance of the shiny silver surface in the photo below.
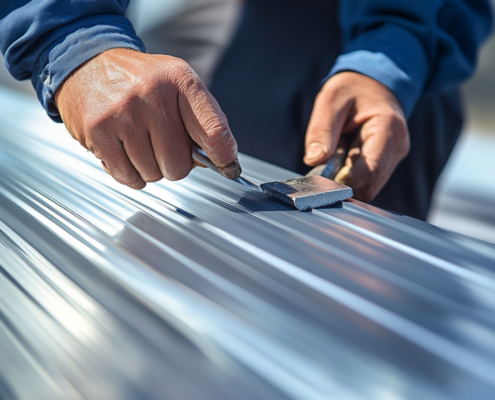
(204, 289)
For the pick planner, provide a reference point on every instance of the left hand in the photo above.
(359, 110)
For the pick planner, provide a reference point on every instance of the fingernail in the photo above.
(314, 151)
(231, 171)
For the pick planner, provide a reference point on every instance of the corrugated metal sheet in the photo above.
(202, 289)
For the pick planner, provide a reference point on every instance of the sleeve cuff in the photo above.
(381, 68)
(74, 49)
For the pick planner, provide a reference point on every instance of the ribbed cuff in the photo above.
(65, 55)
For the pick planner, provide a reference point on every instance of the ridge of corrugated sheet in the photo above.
(202, 289)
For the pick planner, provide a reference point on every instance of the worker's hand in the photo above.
(140, 113)
(355, 110)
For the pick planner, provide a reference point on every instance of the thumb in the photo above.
(327, 120)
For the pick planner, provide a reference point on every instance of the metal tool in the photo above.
(304, 193)
(332, 166)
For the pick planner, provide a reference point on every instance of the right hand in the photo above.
(140, 114)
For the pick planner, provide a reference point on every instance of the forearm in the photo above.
(45, 40)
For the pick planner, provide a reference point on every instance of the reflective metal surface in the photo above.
(204, 289)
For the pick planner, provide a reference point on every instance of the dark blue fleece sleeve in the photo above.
(45, 40)
(413, 46)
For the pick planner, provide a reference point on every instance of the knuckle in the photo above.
(215, 133)
(337, 87)
(178, 64)
(187, 78)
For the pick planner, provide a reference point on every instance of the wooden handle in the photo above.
(332, 166)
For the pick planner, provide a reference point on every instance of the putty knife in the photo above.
(306, 192)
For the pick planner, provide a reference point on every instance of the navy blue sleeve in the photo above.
(45, 40)
(413, 46)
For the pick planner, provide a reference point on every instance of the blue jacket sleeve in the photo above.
(45, 40)
(413, 46)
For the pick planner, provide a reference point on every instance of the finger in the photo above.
(171, 142)
(207, 125)
(114, 158)
(328, 118)
(139, 150)
(381, 144)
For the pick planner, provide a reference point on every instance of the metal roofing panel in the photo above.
(203, 289)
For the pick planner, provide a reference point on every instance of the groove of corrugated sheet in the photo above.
(202, 289)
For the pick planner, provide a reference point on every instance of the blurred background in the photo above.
(465, 195)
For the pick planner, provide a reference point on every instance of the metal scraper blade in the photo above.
(304, 193)
(308, 192)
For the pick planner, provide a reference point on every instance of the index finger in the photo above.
(207, 125)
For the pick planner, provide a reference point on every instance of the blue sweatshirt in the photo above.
(411, 46)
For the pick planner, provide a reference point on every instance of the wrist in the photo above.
(382, 69)
(74, 49)
(359, 88)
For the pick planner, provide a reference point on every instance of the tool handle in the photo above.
(332, 166)
(201, 157)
